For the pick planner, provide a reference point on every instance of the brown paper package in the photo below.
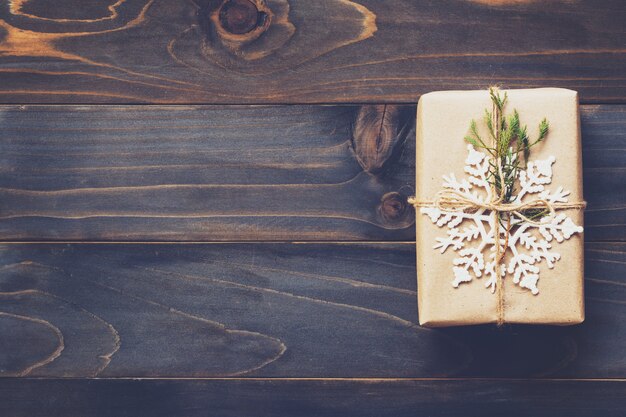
(443, 119)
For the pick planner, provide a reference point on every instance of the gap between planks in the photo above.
(321, 379)
(210, 242)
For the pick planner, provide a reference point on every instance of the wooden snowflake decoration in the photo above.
(473, 235)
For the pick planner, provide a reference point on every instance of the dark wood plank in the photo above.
(242, 173)
(201, 173)
(274, 310)
(290, 51)
(320, 398)
(604, 184)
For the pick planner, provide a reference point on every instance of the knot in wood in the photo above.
(393, 207)
(240, 16)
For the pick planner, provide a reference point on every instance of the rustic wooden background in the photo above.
(197, 218)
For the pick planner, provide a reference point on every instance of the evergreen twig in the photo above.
(510, 145)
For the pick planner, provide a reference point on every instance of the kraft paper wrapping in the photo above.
(443, 120)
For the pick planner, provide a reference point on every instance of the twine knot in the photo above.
(453, 201)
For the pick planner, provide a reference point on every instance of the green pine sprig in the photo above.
(510, 144)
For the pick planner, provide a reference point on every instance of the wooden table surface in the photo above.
(197, 220)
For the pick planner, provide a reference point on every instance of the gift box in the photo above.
(465, 223)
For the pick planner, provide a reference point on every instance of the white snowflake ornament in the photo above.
(473, 235)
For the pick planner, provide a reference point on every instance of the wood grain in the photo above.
(243, 173)
(275, 310)
(296, 51)
(272, 398)
(202, 173)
